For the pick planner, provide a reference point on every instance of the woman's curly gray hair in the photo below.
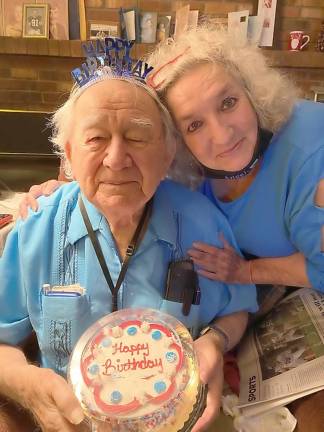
(271, 93)
(61, 121)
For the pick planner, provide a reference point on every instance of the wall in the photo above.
(41, 83)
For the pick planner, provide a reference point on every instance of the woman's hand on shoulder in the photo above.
(210, 359)
(221, 264)
(30, 198)
(49, 397)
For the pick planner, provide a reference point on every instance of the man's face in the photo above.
(117, 149)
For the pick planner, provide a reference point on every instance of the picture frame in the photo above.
(101, 29)
(58, 18)
(163, 27)
(36, 20)
(148, 25)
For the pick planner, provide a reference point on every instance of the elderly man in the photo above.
(118, 143)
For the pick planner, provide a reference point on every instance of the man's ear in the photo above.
(68, 151)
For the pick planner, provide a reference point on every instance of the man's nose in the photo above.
(116, 155)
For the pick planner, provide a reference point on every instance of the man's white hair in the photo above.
(61, 121)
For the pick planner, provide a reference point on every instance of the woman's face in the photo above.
(215, 117)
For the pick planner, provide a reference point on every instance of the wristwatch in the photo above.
(220, 332)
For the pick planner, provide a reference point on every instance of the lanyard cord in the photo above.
(131, 249)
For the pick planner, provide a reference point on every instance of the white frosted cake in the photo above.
(136, 369)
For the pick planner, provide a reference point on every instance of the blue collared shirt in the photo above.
(52, 246)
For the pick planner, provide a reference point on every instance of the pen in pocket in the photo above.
(74, 290)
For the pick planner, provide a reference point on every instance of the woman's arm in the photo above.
(30, 198)
(290, 271)
(227, 266)
(210, 349)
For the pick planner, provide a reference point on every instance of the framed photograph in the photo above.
(58, 18)
(102, 29)
(163, 27)
(36, 20)
(11, 17)
(148, 24)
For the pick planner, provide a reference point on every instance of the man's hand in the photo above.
(30, 198)
(48, 396)
(210, 358)
(224, 265)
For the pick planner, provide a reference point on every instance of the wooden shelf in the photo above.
(72, 48)
(295, 59)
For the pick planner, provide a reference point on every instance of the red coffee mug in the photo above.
(296, 41)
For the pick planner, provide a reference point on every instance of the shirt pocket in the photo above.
(191, 321)
(64, 319)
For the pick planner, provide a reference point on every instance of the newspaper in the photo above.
(282, 358)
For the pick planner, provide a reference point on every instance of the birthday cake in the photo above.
(136, 369)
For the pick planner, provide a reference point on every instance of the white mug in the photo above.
(296, 40)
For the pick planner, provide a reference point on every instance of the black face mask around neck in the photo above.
(264, 138)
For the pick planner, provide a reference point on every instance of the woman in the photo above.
(262, 154)
(261, 151)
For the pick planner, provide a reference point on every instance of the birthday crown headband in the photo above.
(109, 57)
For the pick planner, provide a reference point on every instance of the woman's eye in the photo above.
(228, 103)
(134, 139)
(194, 126)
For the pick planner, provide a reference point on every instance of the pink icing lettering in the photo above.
(132, 349)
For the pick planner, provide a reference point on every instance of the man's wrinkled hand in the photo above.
(49, 397)
(210, 358)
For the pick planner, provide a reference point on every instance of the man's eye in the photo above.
(96, 139)
(228, 103)
(194, 126)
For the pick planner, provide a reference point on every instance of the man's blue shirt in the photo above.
(52, 246)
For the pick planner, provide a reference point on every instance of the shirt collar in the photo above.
(162, 226)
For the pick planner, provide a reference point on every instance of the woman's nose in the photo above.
(220, 133)
(116, 155)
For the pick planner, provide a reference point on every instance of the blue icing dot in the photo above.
(156, 335)
(132, 331)
(94, 369)
(106, 342)
(116, 397)
(160, 387)
(171, 356)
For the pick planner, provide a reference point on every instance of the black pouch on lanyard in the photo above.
(182, 284)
